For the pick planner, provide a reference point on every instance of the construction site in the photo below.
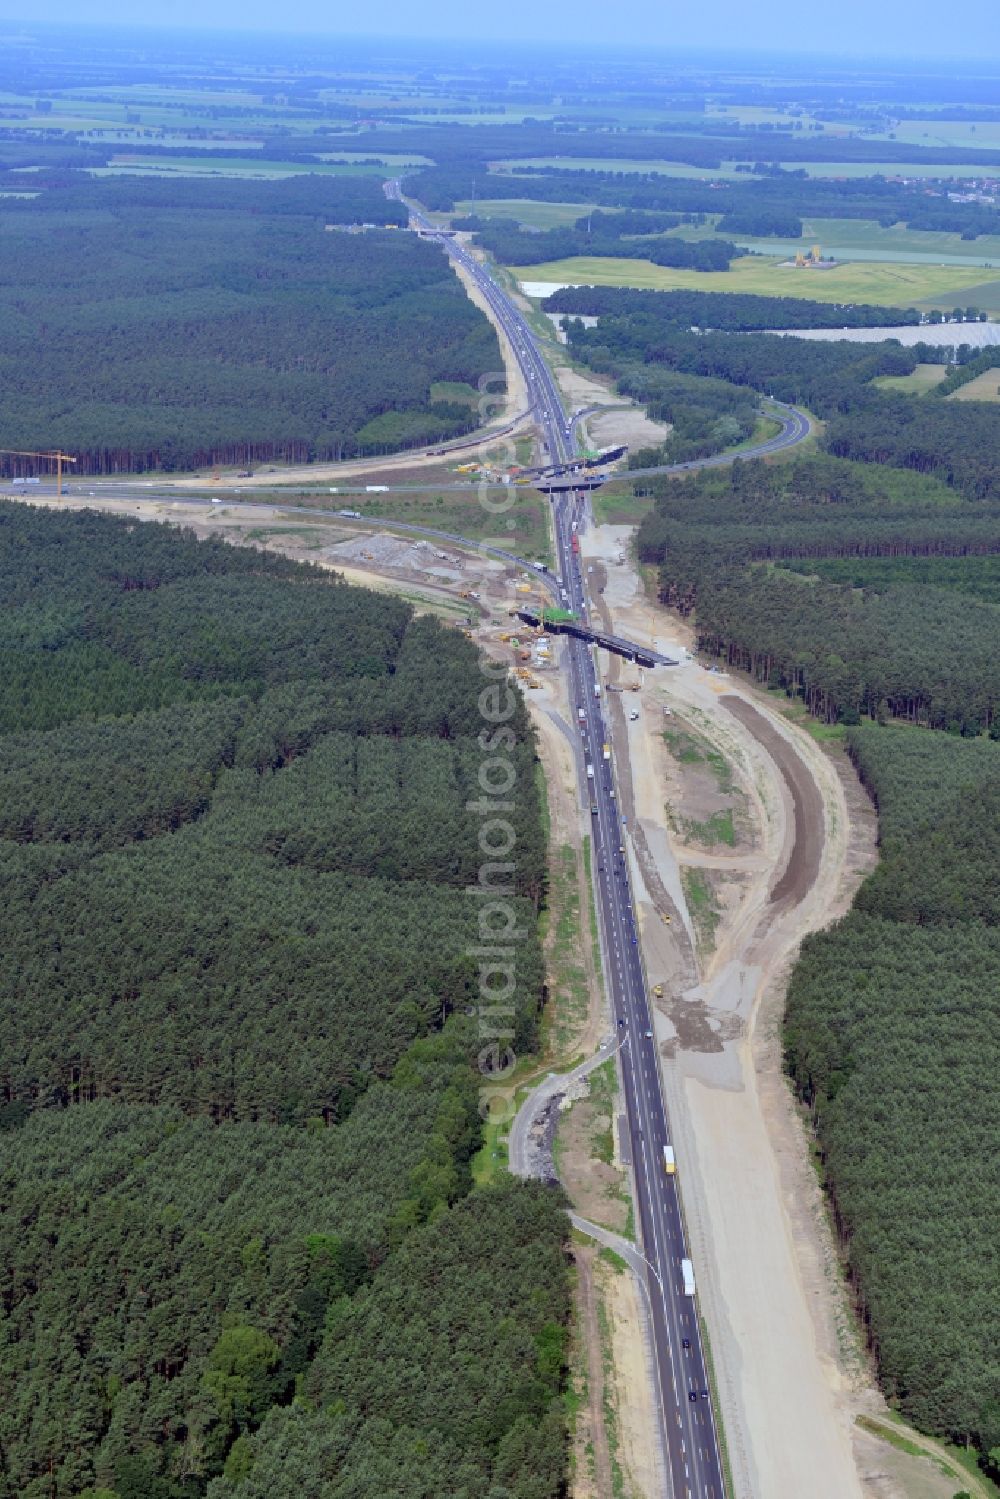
(811, 260)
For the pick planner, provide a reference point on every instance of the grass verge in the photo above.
(618, 1489)
(958, 1466)
(700, 898)
(719, 828)
(720, 1430)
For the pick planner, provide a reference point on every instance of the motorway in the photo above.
(682, 1395)
(690, 1441)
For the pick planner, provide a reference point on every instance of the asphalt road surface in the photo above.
(683, 1398)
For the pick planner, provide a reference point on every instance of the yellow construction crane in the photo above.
(59, 456)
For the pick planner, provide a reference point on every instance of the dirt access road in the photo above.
(791, 1380)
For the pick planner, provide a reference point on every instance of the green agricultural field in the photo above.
(969, 168)
(136, 94)
(985, 387)
(868, 240)
(54, 122)
(615, 164)
(978, 135)
(864, 239)
(129, 165)
(668, 168)
(918, 383)
(526, 211)
(866, 234)
(755, 114)
(357, 158)
(982, 294)
(869, 281)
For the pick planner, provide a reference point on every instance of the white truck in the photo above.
(590, 772)
(606, 752)
(597, 689)
(687, 1273)
(669, 1164)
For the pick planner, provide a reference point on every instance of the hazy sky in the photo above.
(885, 28)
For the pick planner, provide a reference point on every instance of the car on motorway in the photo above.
(649, 1035)
(593, 813)
(685, 1342)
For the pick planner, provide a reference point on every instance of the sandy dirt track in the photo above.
(799, 874)
(792, 1375)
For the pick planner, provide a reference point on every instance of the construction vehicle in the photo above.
(58, 456)
(657, 991)
(666, 918)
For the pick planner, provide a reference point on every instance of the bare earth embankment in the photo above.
(791, 1378)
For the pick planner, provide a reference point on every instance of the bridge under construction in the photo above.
(557, 623)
